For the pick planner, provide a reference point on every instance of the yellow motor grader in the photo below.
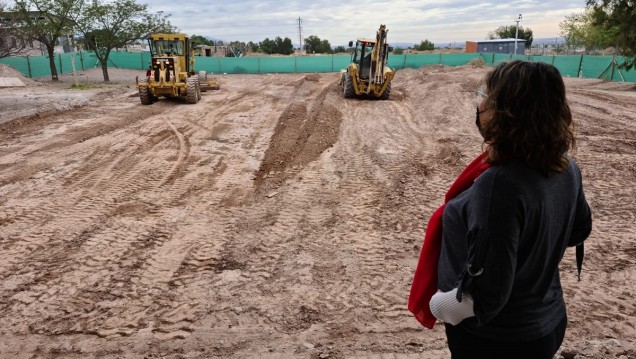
(171, 72)
(368, 73)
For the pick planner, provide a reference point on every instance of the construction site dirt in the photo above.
(272, 219)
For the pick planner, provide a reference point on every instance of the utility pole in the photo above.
(517, 32)
(300, 35)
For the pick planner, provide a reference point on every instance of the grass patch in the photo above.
(85, 86)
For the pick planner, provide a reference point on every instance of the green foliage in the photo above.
(314, 45)
(277, 46)
(200, 40)
(79, 86)
(116, 24)
(579, 30)
(618, 16)
(253, 47)
(339, 49)
(53, 19)
(509, 32)
(398, 51)
(424, 46)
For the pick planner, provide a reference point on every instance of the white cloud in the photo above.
(339, 22)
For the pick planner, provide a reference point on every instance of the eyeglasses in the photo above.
(480, 94)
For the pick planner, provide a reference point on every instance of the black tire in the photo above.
(144, 95)
(387, 92)
(347, 86)
(192, 88)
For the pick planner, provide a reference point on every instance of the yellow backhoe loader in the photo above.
(368, 73)
(171, 72)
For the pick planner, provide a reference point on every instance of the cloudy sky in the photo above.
(340, 21)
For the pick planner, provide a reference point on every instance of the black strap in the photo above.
(580, 251)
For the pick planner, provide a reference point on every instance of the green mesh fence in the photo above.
(595, 66)
(568, 65)
(497, 58)
(201, 63)
(628, 76)
(539, 58)
(240, 65)
(419, 60)
(457, 59)
(128, 60)
(604, 67)
(19, 63)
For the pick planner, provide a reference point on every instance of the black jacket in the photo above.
(512, 228)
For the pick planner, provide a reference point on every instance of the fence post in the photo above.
(580, 67)
(29, 66)
(59, 56)
(141, 56)
(295, 65)
(440, 58)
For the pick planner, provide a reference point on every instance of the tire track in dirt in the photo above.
(605, 153)
(133, 184)
(188, 254)
(204, 260)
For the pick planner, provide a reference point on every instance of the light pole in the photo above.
(517, 32)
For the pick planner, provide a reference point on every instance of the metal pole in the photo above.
(73, 58)
(517, 33)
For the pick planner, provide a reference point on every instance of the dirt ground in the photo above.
(273, 219)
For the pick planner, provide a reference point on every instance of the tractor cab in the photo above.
(362, 56)
(167, 47)
(171, 57)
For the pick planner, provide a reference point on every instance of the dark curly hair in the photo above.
(532, 121)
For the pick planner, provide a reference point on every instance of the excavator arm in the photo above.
(378, 55)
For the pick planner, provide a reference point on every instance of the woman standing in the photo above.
(503, 237)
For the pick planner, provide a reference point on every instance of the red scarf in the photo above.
(425, 279)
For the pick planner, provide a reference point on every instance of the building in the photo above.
(498, 46)
(28, 47)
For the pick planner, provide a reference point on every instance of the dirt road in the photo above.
(273, 219)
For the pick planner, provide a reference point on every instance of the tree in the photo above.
(618, 16)
(277, 46)
(398, 51)
(313, 44)
(46, 21)
(11, 43)
(284, 46)
(424, 46)
(339, 49)
(253, 47)
(268, 46)
(509, 32)
(116, 24)
(579, 30)
(200, 40)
